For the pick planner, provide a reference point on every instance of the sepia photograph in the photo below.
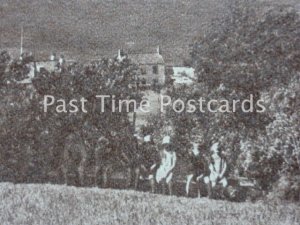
(150, 112)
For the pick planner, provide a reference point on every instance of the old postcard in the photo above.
(150, 112)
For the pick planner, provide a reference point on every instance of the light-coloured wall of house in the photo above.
(48, 65)
(162, 74)
(150, 76)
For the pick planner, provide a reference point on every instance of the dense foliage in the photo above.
(250, 51)
(34, 143)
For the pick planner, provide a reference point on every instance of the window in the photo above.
(155, 69)
(144, 82)
(143, 70)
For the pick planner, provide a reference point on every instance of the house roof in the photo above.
(146, 58)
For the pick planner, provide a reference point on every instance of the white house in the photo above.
(52, 64)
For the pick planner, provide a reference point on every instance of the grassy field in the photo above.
(55, 204)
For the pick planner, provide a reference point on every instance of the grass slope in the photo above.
(93, 28)
(55, 204)
(97, 28)
(87, 29)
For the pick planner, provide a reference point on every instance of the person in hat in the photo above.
(149, 160)
(217, 168)
(132, 159)
(103, 157)
(164, 173)
(196, 168)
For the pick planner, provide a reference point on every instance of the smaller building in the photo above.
(183, 76)
(50, 65)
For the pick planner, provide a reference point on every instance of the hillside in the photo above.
(93, 28)
(96, 28)
(54, 204)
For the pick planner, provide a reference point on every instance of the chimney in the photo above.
(53, 57)
(158, 50)
(120, 56)
(21, 48)
(61, 60)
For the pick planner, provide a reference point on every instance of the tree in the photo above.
(35, 143)
(249, 51)
(279, 147)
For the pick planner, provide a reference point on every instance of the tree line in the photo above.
(250, 52)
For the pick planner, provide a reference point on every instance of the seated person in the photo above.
(164, 173)
(196, 168)
(149, 161)
(217, 168)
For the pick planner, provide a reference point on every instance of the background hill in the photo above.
(95, 28)
(55, 204)
(92, 28)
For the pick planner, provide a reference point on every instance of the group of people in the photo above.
(158, 166)
(211, 172)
